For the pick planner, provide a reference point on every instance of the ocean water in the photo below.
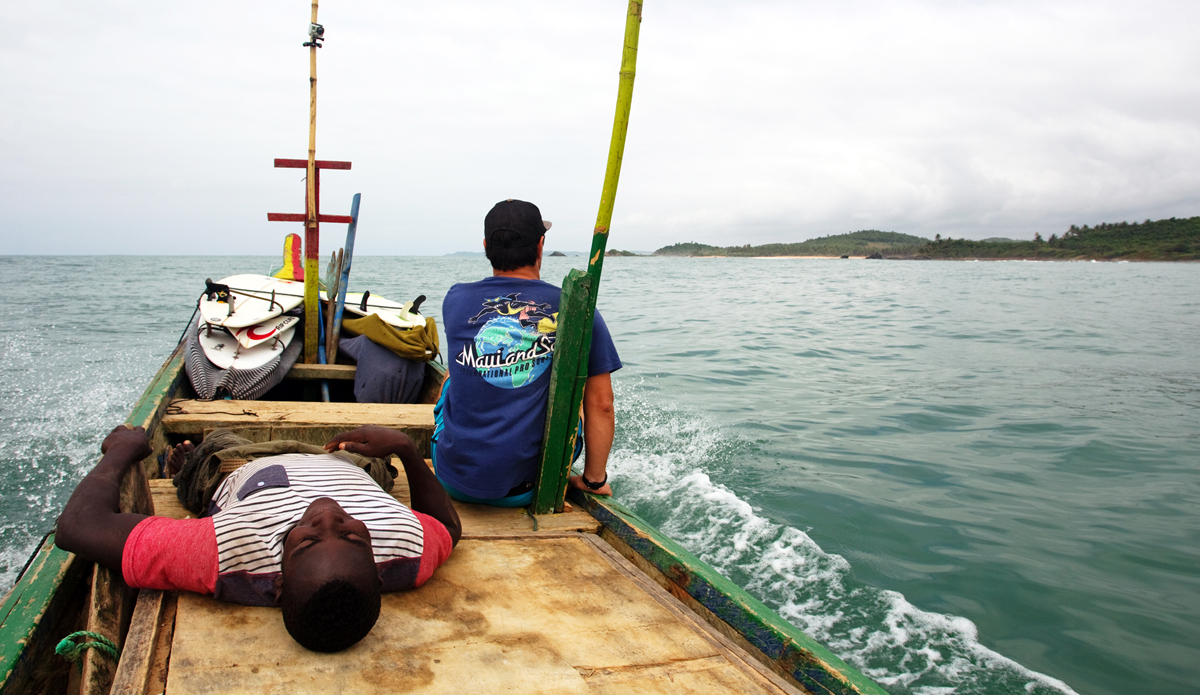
(971, 478)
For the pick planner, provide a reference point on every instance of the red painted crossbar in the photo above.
(303, 164)
(298, 217)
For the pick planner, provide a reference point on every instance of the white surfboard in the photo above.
(249, 336)
(394, 313)
(253, 299)
(224, 351)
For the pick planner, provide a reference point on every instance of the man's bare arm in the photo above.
(599, 424)
(426, 494)
(92, 524)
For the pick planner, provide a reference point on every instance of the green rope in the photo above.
(72, 651)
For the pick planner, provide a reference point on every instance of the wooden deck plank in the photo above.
(187, 416)
(732, 649)
(727, 605)
(104, 617)
(137, 655)
(522, 615)
(321, 371)
(157, 681)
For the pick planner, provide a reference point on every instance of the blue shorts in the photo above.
(522, 500)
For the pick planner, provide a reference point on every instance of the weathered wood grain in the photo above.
(538, 616)
(106, 611)
(137, 656)
(42, 607)
(568, 375)
(322, 371)
(782, 644)
(156, 682)
(185, 416)
(734, 649)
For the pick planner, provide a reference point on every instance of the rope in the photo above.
(72, 651)
(531, 516)
(189, 323)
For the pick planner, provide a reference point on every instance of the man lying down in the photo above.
(310, 530)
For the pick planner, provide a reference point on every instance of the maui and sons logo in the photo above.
(514, 347)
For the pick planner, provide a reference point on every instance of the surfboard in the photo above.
(394, 313)
(249, 336)
(224, 351)
(252, 299)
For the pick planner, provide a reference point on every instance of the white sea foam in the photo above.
(56, 412)
(663, 467)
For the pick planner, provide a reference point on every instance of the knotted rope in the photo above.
(72, 651)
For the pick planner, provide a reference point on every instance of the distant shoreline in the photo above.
(996, 260)
(1173, 239)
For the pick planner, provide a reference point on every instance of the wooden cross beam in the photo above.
(312, 245)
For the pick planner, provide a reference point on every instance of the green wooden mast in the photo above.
(578, 304)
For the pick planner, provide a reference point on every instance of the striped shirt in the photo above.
(253, 510)
(259, 503)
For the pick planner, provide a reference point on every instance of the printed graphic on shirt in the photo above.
(515, 346)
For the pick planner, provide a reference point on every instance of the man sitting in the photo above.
(501, 333)
(312, 533)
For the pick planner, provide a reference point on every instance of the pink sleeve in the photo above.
(437, 547)
(163, 553)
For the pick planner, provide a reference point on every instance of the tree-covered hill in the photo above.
(853, 244)
(1161, 240)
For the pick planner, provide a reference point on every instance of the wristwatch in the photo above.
(594, 486)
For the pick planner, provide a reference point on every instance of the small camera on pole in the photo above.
(316, 34)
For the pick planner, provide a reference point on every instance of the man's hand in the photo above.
(92, 524)
(128, 441)
(371, 440)
(576, 481)
(425, 492)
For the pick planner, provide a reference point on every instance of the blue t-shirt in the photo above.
(500, 335)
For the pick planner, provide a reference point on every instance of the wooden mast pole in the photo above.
(573, 339)
(312, 327)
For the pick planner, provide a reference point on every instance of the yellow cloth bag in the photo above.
(419, 344)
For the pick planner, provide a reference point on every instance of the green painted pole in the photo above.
(616, 147)
(577, 306)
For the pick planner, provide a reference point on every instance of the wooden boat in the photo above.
(590, 598)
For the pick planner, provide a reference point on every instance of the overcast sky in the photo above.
(150, 127)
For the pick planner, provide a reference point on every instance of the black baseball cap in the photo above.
(516, 216)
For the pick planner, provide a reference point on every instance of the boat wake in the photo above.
(668, 465)
(55, 415)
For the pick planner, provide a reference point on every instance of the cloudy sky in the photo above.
(150, 127)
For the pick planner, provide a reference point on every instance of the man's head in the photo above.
(512, 231)
(330, 587)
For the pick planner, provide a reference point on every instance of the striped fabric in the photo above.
(260, 502)
(209, 380)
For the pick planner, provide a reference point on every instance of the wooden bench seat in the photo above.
(314, 423)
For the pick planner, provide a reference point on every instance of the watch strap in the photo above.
(594, 486)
